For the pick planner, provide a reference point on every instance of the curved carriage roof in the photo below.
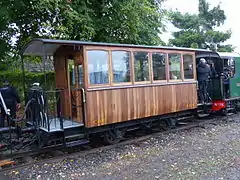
(228, 54)
(38, 47)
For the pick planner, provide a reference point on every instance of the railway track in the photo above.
(134, 137)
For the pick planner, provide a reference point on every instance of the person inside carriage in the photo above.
(12, 101)
(203, 73)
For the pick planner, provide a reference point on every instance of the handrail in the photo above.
(84, 95)
(50, 112)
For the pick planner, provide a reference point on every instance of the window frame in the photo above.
(88, 48)
(194, 67)
(131, 50)
(166, 68)
(234, 67)
(181, 67)
(133, 67)
(130, 67)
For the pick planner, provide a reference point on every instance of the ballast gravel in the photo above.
(212, 152)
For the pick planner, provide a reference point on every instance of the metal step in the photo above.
(230, 114)
(181, 123)
(184, 118)
(203, 115)
(204, 104)
(77, 143)
(132, 129)
(208, 104)
(74, 136)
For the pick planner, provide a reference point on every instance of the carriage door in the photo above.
(75, 89)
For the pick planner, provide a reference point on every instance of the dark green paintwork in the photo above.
(216, 89)
(235, 81)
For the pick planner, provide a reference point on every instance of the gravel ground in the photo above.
(206, 153)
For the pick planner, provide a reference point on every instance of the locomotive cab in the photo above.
(230, 79)
(223, 83)
(213, 84)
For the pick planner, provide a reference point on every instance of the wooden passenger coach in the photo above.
(104, 84)
(103, 90)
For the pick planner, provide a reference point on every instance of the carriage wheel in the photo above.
(113, 136)
(163, 125)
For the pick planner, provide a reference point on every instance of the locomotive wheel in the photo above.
(224, 112)
(113, 136)
(235, 110)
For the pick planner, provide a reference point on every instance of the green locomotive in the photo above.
(225, 86)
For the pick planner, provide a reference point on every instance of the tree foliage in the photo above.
(199, 30)
(119, 21)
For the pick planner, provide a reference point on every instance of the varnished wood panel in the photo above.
(77, 110)
(119, 105)
(62, 83)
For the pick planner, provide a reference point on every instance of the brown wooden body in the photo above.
(114, 103)
(118, 105)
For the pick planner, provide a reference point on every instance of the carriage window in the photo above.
(174, 66)
(141, 66)
(98, 67)
(158, 61)
(188, 66)
(120, 65)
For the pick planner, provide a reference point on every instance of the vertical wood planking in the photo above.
(61, 79)
(118, 105)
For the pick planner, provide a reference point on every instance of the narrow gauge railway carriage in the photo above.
(108, 89)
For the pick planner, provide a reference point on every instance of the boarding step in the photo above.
(77, 143)
(75, 136)
(204, 104)
(181, 123)
(184, 118)
(202, 115)
(201, 111)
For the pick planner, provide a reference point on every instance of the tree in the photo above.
(199, 30)
(117, 21)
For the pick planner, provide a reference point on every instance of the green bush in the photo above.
(17, 79)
